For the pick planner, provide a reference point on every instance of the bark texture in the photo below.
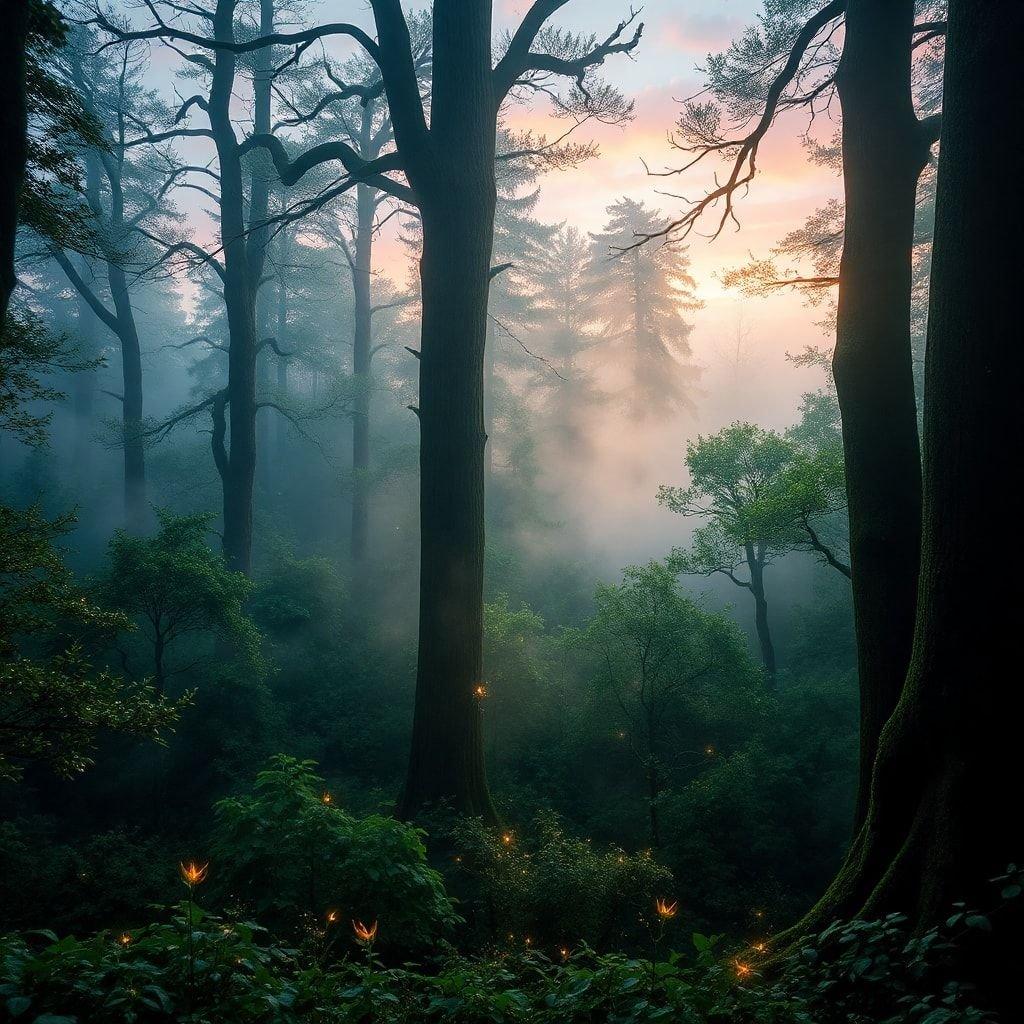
(13, 128)
(362, 256)
(456, 188)
(244, 244)
(884, 152)
(938, 823)
(755, 566)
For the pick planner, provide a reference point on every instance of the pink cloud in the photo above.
(697, 32)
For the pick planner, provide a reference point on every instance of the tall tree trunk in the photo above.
(83, 388)
(281, 424)
(243, 247)
(939, 824)
(455, 182)
(13, 138)
(883, 156)
(755, 566)
(111, 164)
(489, 359)
(264, 427)
(135, 503)
(361, 342)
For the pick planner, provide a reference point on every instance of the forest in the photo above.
(494, 512)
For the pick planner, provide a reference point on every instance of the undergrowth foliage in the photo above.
(290, 855)
(204, 968)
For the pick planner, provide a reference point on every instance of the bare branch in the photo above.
(162, 30)
(744, 166)
(518, 62)
(370, 172)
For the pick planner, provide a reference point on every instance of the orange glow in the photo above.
(666, 911)
(480, 690)
(507, 838)
(743, 970)
(327, 798)
(564, 953)
(709, 750)
(124, 938)
(760, 947)
(364, 933)
(193, 873)
(331, 916)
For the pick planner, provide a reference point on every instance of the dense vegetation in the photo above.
(282, 738)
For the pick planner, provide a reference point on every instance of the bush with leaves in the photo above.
(204, 969)
(291, 855)
(54, 702)
(298, 594)
(765, 824)
(181, 594)
(96, 881)
(545, 887)
(213, 972)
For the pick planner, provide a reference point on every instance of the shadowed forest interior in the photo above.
(497, 511)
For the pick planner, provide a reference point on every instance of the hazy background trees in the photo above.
(326, 256)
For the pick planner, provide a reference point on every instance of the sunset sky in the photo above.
(678, 35)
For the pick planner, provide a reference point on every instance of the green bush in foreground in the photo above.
(289, 856)
(223, 971)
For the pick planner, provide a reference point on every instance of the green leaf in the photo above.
(17, 1005)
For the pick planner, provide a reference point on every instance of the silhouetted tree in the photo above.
(450, 169)
(937, 827)
(127, 199)
(795, 62)
(641, 297)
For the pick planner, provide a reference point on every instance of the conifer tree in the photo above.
(642, 295)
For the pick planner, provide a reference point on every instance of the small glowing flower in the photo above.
(507, 838)
(124, 938)
(621, 734)
(480, 691)
(458, 858)
(331, 916)
(528, 940)
(666, 911)
(759, 914)
(193, 873)
(363, 932)
(742, 970)
(564, 953)
(327, 798)
(760, 947)
(709, 750)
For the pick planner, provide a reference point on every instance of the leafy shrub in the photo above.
(182, 595)
(230, 974)
(214, 972)
(860, 972)
(291, 855)
(298, 592)
(553, 888)
(99, 880)
(227, 971)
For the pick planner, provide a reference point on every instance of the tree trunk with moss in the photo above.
(884, 151)
(13, 135)
(938, 823)
(447, 757)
